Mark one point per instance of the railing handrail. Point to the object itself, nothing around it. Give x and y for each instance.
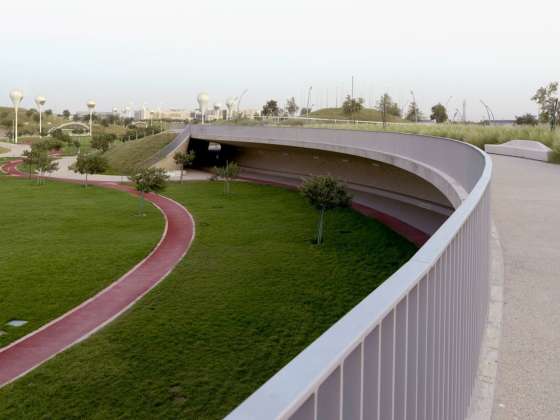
(295, 382)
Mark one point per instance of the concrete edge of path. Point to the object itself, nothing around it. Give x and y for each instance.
(482, 400)
(23, 355)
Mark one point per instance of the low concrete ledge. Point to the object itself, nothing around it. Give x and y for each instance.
(527, 149)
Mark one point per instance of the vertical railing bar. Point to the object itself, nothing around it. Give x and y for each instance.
(445, 371)
(362, 368)
(379, 371)
(456, 331)
(316, 403)
(394, 380)
(341, 392)
(406, 357)
(438, 347)
(417, 339)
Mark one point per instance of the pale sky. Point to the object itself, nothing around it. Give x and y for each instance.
(165, 52)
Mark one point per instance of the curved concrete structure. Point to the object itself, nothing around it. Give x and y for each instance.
(527, 149)
(411, 348)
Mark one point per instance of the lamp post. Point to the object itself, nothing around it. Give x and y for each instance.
(309, 97)
(241, 97)
(230, 103)
(415, 106)
(91, 107)
(16, 96)
(202, 100)
(40, 101)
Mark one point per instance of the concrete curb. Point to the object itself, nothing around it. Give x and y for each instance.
(482, 400)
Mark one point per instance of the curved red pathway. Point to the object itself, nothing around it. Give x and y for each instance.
(39, 346)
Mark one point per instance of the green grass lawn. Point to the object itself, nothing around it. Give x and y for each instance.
(250, 295)
(4, 150)
(61, 244)
(125, 158)
(365, 114)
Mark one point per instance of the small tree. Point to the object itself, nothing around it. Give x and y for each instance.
(350, 106)
(227, 172)
(66, 114)
(90, 164)
(413, 113)
(184, 160)
(439, 113)
(547, 99)
(102, 142)
(527, 119)
(147, 180)
(324, 193)
(270, 108)
(291, 106)
(30, 159)
(45, 165)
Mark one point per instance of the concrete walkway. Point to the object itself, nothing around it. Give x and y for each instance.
(65, 172)
(16, 150)
(26, 354)
(526, 209)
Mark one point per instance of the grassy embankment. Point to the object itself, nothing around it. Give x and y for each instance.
(366, 114)
(125, 158)
(62, 244)
(250, 295)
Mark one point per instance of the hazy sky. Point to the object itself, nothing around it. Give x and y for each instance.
(164, 52)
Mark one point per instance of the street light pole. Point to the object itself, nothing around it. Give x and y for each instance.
(308, 99)
(40, 101)
(91, 107)
(415, 106)
(16, 96)
(202, 100)
(241, 97)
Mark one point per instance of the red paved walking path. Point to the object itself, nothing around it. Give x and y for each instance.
(36, 348)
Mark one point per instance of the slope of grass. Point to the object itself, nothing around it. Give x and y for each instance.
(61, 244)
(250, 295)
(366, 114)
(125, 158)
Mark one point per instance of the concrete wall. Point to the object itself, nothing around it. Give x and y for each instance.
(378, 185)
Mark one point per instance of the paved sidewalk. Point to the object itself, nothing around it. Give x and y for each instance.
(23, 355)
(526, 209)
(65, 172)
(16, 150)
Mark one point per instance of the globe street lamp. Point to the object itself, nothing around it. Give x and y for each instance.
(202, 104)
(16, 96)
(40, 101)
(230, 104)
(217, 108)
(91, 107)
(415, 106)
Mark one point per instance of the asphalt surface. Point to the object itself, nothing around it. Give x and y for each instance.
(526, 210)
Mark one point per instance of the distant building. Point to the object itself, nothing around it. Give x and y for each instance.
(168, 114)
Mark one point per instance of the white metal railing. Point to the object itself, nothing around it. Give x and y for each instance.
(410, 349)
